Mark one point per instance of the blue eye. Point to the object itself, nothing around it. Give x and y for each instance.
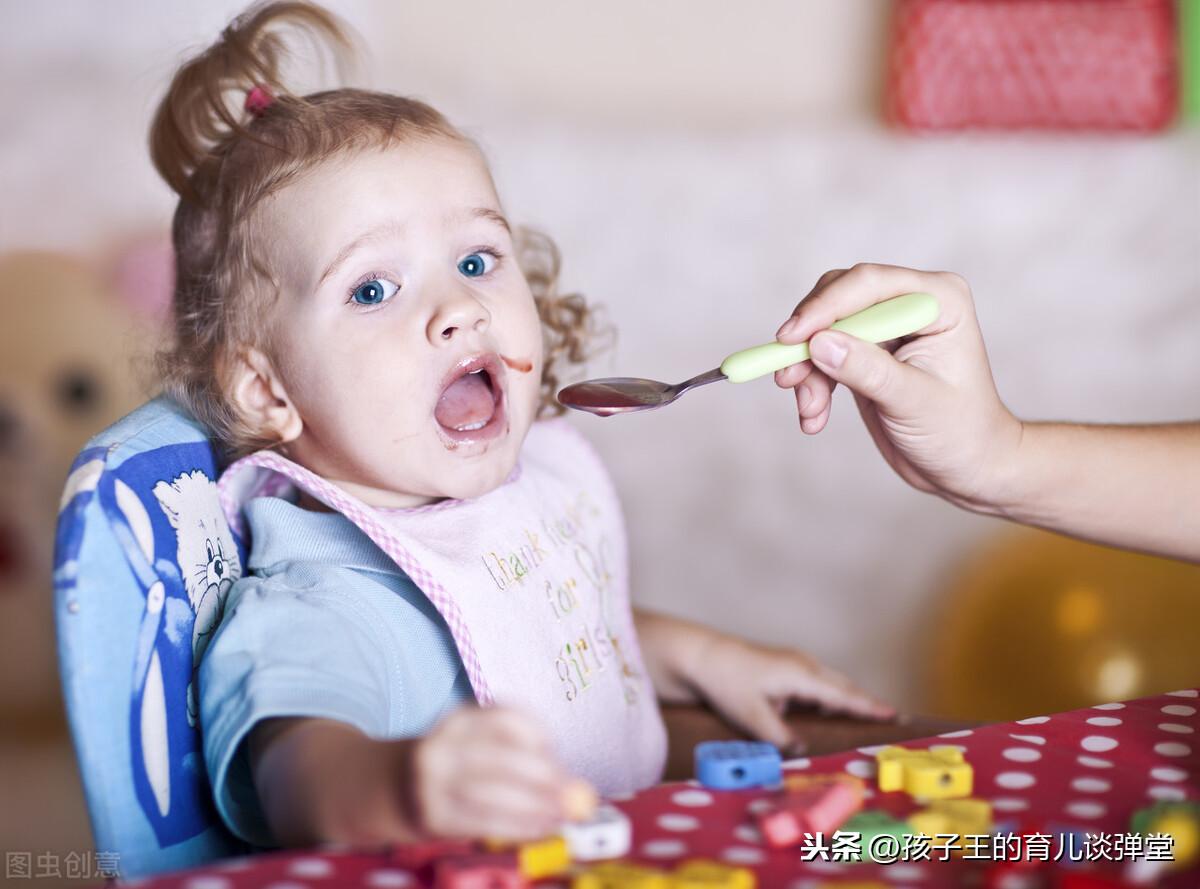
(374, 292)
(476, 264)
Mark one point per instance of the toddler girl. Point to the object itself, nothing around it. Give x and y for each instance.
(372, 344)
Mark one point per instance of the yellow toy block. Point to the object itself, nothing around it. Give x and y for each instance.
(621, 875)
(545, 858)
(962, 817)
(936, 773)
(701, 874)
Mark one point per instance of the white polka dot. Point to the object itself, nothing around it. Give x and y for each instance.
(208, 881)
(1172, 748)
(1168, 773)
(310, 868)
(1104, 720)
(1179, 710)
(1022, 754)
(1091, 785)
(758, 806)
(287, 884)
(747, 833)
(965, 733)
(1160, 791)
(1184, 693)
(806, 883)
(1009, 804)
(1033, 720)
(388, 879)
(1109, 707)
(825, 867)
(677, 822)
(664, 849)
(861, 768)
(1084, 808)
(1015, 780)
(802, 762)
(1029, 739)
(1094, 762)
(692, 798)
(905, 872)
(873, 749)
(1176, 727)
(1098, 743)
(743, 855)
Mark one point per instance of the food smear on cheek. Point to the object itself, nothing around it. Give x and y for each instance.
(518, 364)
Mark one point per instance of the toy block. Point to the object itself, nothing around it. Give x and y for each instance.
(961, 817)
(936, 773)
(871, 824)
(819, 808)
(480, 871)
(607, 834)
(1179, 819)
(580, 800)
(732, 765)
(702, 874)
(543, 858)
(621, 875)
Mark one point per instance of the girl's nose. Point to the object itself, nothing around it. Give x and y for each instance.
(458, 313)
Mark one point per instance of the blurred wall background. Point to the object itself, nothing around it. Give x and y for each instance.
(700, 165)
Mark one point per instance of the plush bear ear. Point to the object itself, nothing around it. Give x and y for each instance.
(144, 276)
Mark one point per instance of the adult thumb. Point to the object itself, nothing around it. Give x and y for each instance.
(866, 369)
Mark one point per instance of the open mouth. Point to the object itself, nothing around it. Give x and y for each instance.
(471, 404)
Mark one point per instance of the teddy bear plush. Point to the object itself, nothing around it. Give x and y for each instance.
(74, 357)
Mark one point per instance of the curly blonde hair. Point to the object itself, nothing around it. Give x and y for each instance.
(222, 160)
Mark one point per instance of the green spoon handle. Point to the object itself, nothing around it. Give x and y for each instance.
(887, 320)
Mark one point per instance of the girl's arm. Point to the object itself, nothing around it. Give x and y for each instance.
(479, 773)
(1132, 486)
(319, 780)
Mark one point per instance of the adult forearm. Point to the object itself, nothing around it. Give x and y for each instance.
(323, 781)
(1136, 487)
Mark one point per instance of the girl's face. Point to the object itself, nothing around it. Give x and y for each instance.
(405, 342)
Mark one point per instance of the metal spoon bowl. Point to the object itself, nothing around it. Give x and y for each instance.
(888, 320)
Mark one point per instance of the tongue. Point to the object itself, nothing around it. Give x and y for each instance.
(466, 402)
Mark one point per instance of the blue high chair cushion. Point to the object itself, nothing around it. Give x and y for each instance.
(143, 560)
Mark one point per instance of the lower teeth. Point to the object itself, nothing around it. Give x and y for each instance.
(472, 427)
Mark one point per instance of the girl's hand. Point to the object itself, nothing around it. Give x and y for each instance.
(489, 773)
(929, 401)
(751, 686)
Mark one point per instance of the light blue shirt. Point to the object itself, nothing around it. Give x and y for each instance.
(324, 624)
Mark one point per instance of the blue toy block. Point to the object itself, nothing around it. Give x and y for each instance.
(731, 765)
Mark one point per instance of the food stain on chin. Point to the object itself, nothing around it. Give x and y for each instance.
(517, 364)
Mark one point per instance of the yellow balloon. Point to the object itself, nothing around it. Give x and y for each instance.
(1037, 623)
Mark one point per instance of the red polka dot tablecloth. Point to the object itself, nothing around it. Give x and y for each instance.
(1085, 771)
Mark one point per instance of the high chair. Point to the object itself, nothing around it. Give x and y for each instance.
(142, 547)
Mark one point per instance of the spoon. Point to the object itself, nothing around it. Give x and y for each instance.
(883, 321)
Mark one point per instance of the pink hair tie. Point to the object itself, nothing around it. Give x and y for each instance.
(258, 100)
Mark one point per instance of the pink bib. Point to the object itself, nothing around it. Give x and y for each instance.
(532, 579)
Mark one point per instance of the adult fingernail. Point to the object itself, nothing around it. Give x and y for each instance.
(827, 350)
(804, 398)
(787, 327)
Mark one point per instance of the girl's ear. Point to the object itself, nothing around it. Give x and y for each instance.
(260, 397)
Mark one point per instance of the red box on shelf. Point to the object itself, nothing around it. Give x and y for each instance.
(1041, 64)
